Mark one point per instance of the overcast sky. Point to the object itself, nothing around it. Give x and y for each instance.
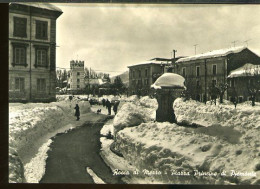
(111, 37)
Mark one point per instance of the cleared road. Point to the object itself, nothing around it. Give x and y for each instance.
(72, 152)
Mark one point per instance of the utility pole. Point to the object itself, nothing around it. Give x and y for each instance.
(234, 42)
(195, 47)
(174, 52)
(173, 61)
(246, 41)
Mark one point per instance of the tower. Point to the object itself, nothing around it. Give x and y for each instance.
(77, 75)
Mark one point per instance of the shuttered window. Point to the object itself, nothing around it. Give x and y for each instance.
(20, 27)
(41, 29)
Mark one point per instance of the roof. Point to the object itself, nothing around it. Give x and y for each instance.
(213, 54)
(47, 6)
(150, 62)
(245, 71)
(95, 81)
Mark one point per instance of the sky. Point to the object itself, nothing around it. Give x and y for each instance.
(111, 37)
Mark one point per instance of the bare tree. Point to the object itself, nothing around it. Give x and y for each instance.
(222, 89)
(253, 86)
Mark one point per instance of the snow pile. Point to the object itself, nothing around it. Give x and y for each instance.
(146, 101)
(183, 155)
(106, 129)
(171, 80)
(171, 149)
(224, 114)
(29, 124)
(33, 170)
(130, 115)
(95, 178)
(133, 98)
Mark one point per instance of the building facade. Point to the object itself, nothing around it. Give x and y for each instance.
(244, 83)
(144, 74)
(32, 51)
(77, 75)
(204, 71)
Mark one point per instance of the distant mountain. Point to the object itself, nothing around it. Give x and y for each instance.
(124, 77)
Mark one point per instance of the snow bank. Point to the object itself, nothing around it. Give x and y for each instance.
(146, 101)
(29, 124)
(130, 115)
(229, 144)
(171, 149)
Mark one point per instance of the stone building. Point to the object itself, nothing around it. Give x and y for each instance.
(77, 74)
(32, 51)
(144, 74)
(244, 83)
(204, 71)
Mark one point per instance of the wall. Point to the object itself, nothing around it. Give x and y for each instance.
(30, 72)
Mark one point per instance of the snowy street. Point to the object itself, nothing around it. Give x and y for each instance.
(71, 153)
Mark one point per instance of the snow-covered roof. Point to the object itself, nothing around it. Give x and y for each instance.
(96, 82)
(213, 54)
(47, 6)
(169, 80)
(246, 70)
(150, 62)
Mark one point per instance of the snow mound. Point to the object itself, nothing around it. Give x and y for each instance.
(132, 115)
(146, 101)
(28, 125)
(169, 80)
(133, 98)
(228, 142)
(170, 148)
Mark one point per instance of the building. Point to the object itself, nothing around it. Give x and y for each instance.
(77, 75)
(32, 51)
(144, 74)
(204, 71)
(244, 83)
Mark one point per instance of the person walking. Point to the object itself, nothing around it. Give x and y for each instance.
(77, 113)
(115, 107)
(103, 102)
(108, 105)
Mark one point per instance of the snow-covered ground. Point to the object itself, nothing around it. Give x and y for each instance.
(31, 126)
(225, 151)
(156, 152)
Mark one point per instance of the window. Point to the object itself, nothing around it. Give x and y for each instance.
(78, 80)
(232, 83)
(41, 85)
(197, 71)
(214, 82)
(41, 56)
(146, 81)
(19, 54)
(184, 72)
(20, 27)
(198, 83)
(78, 73)
(19, 84)
(214, 69)
(146, 72)
(78, 86)
(41, 29)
